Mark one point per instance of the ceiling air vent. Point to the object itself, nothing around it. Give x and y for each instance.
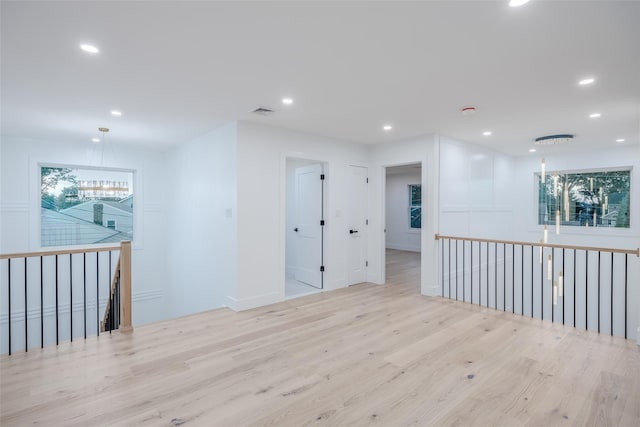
(263, 111)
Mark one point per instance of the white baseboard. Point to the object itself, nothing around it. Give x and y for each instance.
(253, 302)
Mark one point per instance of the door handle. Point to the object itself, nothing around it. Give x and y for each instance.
(353, 231)
(295, 229)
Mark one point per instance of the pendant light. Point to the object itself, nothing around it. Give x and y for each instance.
(560, 284)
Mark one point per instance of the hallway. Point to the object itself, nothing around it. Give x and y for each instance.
(403, 268)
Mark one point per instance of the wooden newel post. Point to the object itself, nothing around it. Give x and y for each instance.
(125, 283)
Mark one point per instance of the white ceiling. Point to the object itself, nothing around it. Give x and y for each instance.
(179, 69)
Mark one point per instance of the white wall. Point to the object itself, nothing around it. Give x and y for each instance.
(423, 149)
(476, 191)
(465, 190)
(202, 222)
(262, 154)
(399, 235)
(20, 211)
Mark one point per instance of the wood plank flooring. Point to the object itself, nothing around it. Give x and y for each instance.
(365, 355)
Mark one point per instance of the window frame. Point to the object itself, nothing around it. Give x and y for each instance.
(411, 206)
(581, 229)
(135, 237)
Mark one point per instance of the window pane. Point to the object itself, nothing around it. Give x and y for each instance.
(415, 217)
(415, 206)
(416, 195)
(85, 206)
(598, 199)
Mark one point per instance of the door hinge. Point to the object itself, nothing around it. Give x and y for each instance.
(322, 176)
(366, 221)
(322, 222)
(367, 180)
(366, 263)
(322, 268)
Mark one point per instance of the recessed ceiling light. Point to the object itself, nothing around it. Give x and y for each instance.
(516, 3)
(595, 115)
(387, 127)
(287, 101)
(116, 113)
(89, 48)
(486, 133)
(95, 139)
(586, 81)
(620, 140)
(532, 150)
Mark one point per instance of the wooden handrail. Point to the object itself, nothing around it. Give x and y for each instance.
(125, 285)
(59, 252)
(635, 252)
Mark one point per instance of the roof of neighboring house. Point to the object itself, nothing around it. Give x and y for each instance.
(60, 229)
(84, 206)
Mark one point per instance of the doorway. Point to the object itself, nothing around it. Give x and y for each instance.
(304, 241)
(403, 224)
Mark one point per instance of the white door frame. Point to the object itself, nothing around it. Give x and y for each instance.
(383, 186)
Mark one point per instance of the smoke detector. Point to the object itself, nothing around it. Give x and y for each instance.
(468, 111)
(554, 139)
(263, 111)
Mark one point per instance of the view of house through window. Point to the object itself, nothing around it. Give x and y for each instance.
(415, 206)
(85, 206)
(587, 199)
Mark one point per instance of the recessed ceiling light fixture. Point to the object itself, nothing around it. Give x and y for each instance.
(554, 139)
(588, 81)
(620, 140)
(95, 139)
(116, 113)
(595, 115)
(89, 48)
(387, 127)
(487, 133)
(532, 150)
(287, 101)
(516, 3)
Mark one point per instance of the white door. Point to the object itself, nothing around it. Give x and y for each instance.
(356, 223)
(308, 193)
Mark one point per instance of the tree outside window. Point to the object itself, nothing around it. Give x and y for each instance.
(587, 199)
(83, 206)
(415, 206)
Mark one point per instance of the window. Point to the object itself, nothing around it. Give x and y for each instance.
(83, 206)
(587, 199)
(415, 206)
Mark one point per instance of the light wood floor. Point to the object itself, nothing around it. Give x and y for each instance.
(366, 355)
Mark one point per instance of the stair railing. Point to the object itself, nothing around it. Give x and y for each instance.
(582, 286)
(54, 296)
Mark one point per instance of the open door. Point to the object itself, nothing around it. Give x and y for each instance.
(308, 229)
(357, 223)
